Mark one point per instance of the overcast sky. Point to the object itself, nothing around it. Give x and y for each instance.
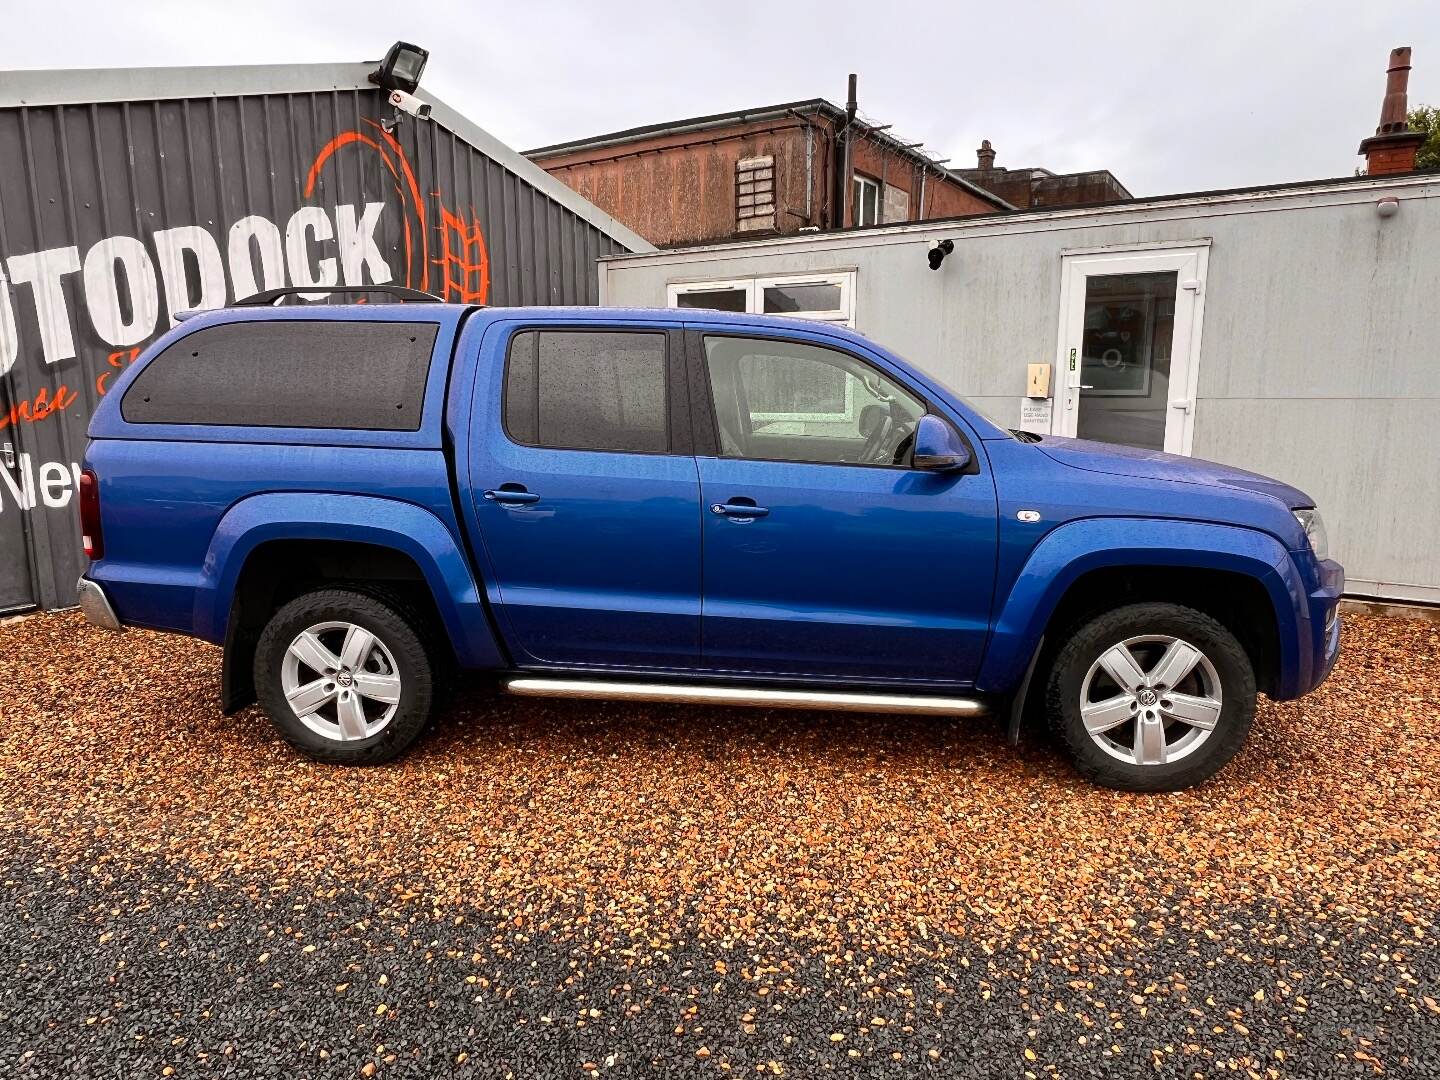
(1169, 97)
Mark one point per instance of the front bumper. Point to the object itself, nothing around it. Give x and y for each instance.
(95, 605)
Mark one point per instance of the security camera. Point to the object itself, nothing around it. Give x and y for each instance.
(938, 250)
(409, 103)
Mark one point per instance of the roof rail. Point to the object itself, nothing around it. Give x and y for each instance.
(270, 296)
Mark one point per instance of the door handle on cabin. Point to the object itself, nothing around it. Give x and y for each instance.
(508, 497)
(740, 512)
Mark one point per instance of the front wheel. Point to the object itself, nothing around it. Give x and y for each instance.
(1151, 697)
(344, 677)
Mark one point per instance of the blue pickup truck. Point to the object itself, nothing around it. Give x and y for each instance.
(357, 502)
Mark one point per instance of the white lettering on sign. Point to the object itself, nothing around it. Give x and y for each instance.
(22, 493)
(58, 481)
(102, 290)
(55, 484)
(42, 271)
(358, 248)
(171, 246)
(9, 337)
(255, 233)
(306, 222)
(186, 264)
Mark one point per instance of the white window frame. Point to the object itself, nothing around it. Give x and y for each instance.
(861, 183)
(754, 290)
(844, 314)
(674, 291)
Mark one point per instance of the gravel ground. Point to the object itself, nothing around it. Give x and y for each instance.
(573, 889)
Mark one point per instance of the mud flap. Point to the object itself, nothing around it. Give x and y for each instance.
(1017, 703)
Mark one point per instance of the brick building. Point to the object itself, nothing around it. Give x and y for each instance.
(1035, 187)
(761, 172)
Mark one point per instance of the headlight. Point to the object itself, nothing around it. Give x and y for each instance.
(1314, 527)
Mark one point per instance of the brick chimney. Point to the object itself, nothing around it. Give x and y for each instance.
(986, 155)
(1393, 147)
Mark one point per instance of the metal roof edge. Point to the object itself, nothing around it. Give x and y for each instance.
(84, 86)
(533, 174)
(1220, 197)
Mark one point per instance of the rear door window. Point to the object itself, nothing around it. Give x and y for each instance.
(290, 373)
(588, 390)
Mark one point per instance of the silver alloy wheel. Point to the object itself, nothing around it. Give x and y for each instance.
(341, 681)
(1151, 700)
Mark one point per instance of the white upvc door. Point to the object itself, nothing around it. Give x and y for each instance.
(1127, 362)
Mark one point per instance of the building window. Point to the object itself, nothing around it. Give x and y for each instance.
(713, 295)
(866, 195)
(827, 297)
(755, 194)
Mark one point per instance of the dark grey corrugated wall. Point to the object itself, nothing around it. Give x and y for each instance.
(112, 213)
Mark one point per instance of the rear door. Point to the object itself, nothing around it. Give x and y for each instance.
(853, 565)
(586, 494)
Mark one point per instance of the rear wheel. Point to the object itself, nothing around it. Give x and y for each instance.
(344, 677)
(1151, 697)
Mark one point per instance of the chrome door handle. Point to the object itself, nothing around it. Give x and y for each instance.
(739, 511)
(511, 498)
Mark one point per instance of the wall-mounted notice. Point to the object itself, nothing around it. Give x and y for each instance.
(1035, 414)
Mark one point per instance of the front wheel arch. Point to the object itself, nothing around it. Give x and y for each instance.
(1237, 601)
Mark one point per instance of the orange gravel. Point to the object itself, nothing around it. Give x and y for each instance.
(838, 832)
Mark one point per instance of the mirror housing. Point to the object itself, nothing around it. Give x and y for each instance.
(938, 448)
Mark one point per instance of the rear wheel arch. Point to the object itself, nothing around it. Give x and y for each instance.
(275, 572)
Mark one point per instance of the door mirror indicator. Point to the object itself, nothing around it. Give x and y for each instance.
(938, 448)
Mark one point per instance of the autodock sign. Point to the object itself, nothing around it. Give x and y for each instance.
(117, 215)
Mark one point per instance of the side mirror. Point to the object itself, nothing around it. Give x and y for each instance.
(937, 446)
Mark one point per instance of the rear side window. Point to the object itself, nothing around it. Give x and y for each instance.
(365, 376)
(587, 390)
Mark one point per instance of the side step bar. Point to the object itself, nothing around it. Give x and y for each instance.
(695, 694)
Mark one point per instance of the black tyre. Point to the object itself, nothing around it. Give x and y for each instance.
(1151, 697)
(344, 677)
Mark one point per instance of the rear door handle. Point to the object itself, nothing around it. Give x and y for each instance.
(511, 498)
(739, 511)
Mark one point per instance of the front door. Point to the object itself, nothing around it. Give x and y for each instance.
(1129, 345)
(825, 553)
(586, 497)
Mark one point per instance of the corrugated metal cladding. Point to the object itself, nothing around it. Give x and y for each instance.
(115, 214)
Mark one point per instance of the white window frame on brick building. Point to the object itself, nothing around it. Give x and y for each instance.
(865, 188)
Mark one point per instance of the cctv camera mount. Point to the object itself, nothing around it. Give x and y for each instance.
(405, 103)
(938, 250)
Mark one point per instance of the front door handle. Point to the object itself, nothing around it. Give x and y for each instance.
(739, 511)
(508, 497)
